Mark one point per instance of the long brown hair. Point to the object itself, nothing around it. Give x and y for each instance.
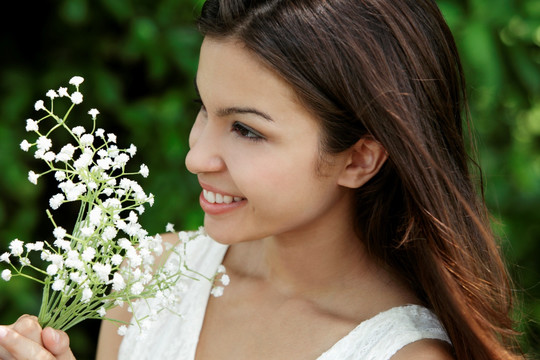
(390, 69)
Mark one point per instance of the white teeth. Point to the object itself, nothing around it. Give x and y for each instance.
(217, 198)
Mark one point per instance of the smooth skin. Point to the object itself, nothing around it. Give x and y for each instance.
(299, 273)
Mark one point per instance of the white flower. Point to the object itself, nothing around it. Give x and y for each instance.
(111, 138)
(39, 153)
(52, 269)
(217, 291)
(87, 140)
(169, 227)
(58, 285)
(102, 271)
(124, 243)
(76, 98)
(49, 156)
(25, 145)
(62, 244)
(116, 259)
(144, 170)
(100, 133)
(24, 261)
(221, 269)
(134, 258)
(112, 203)
(62, 91)
(87, 231)
(60, 175)
(33, 177)
(66, 153)
(93, 113)
(56, 259)
(44, 143)
(122, 330)
(132, 150)
(56, 201)
(95, 216)
(88, 254)
(105, 164)
(84, 160)
(76, 277)
(86, 295)
(109, 233)
(39, 105)
(78, 130)
(5, 257)
(73, 260)
(76, 80)
(31, 125)
(101, 312)
(6, 275)
(16, 247)
(225, 279)
(137, 288)
(118, 283)
(51, 94)
(59, 232)
(72, 191)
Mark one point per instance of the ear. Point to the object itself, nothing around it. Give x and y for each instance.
(364, 159)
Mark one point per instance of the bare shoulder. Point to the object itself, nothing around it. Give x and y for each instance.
(109, 341)
(425, 350)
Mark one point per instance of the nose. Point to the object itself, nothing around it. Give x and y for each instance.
(204, 153)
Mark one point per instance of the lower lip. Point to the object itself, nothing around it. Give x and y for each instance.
(218, 209)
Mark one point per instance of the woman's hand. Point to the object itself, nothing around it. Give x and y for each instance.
(26, 340)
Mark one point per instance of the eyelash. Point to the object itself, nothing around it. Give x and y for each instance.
(240, 129)
(246, 132)
(199, 102)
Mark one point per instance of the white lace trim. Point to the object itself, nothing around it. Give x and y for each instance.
(380, 337)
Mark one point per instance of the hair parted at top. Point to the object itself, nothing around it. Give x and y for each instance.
(390, 69)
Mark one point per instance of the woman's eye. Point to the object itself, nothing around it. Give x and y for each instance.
(246, 132)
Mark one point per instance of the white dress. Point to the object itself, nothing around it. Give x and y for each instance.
(172, 337)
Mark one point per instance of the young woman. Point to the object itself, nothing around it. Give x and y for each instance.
(337, 189)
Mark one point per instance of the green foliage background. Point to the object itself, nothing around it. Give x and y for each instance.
(139, 58)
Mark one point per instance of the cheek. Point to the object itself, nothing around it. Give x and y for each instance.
(276, 179)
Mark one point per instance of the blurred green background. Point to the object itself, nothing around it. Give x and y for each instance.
(139, 58)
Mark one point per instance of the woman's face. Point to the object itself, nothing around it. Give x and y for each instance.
(255, 151)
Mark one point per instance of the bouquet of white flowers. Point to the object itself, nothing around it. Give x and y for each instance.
(108, 258)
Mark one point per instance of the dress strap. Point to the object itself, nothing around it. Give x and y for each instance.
(380, 337)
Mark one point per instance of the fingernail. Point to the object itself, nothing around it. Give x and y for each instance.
(3, 332)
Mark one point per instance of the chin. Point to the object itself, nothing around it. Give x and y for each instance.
(226, 236)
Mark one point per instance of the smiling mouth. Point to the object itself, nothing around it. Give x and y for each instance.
(217, 198)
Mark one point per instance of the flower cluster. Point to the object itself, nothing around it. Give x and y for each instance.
(108, 258)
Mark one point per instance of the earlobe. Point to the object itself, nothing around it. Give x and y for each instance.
(364, 160)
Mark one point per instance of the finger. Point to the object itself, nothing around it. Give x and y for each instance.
(4, 354)
(57, 342)
(28, 326)
(21, 347)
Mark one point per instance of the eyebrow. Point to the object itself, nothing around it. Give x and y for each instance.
(236, 109)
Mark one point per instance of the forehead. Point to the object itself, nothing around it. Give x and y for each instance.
(228, 71)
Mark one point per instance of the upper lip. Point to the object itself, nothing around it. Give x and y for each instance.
(216, 190)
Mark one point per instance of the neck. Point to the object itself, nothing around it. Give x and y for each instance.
(319, 262)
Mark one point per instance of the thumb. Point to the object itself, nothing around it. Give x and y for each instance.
(57, 343)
